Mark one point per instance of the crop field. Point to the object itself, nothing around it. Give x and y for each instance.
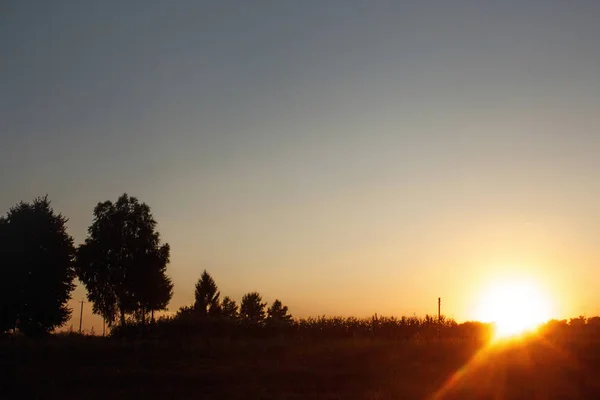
(71, 367)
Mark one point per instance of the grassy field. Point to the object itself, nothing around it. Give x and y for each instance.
(98, 368)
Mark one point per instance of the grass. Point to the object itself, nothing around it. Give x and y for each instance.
(99, 368)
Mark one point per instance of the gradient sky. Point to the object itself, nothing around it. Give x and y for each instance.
(347, 157)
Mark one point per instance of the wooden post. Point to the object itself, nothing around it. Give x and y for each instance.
(81, 317)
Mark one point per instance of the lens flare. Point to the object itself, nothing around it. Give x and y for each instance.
(514, 307)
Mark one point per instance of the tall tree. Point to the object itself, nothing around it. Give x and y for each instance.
(207, 294)
(36, 268)
(123, 263)
(252, 308)
(229, 308)
(278, 313)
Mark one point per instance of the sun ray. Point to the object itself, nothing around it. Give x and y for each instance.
(462, 374)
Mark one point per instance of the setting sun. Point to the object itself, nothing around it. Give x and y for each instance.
(515, 307)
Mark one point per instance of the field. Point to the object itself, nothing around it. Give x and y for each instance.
(98, 368)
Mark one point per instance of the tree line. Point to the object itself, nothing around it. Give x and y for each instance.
(207, 303)
(122, 265)
(209, 317)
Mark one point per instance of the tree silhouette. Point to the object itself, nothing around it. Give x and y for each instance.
(158, 298)
(229, 308)
(252, 309)
(37, 272)
(278, 313)
(122, 262)
(207, 296)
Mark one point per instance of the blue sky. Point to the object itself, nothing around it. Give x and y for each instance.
(347, 157)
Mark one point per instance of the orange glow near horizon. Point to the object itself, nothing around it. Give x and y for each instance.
(515, 307)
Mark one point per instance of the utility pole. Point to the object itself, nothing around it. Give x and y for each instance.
(439, 308)
(81, 317)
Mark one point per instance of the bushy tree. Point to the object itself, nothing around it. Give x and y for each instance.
(579, 321)
(36, 268)
(229, 308)
(123, 263)
(252, 308)
(206, 296)
(184, 312)
(278, 313)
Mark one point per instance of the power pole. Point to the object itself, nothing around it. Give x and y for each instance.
(81, 317)
(439, 308)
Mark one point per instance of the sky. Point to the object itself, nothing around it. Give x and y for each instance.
(346, 157)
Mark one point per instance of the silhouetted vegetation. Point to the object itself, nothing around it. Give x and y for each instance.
(545, 366)
(122, 263)
(253, 319)
(277, 314)
(206, 296)
(123, 267)
(229, 308)
(215, 348)
(36, 275)
(252, 309)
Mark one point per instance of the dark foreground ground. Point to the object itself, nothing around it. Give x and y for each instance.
(96, 368)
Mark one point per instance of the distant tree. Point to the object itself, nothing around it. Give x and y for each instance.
(229, 308)
(36, 268)
(593, 321)
(555, 327)
(206, 296)
(185, 312)
(252, 309)
(577, 322)
(122, 262)
(278, 313)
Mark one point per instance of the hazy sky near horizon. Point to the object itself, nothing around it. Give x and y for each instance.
(347, 157)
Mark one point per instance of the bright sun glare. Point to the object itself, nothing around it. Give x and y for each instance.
(515, 307)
